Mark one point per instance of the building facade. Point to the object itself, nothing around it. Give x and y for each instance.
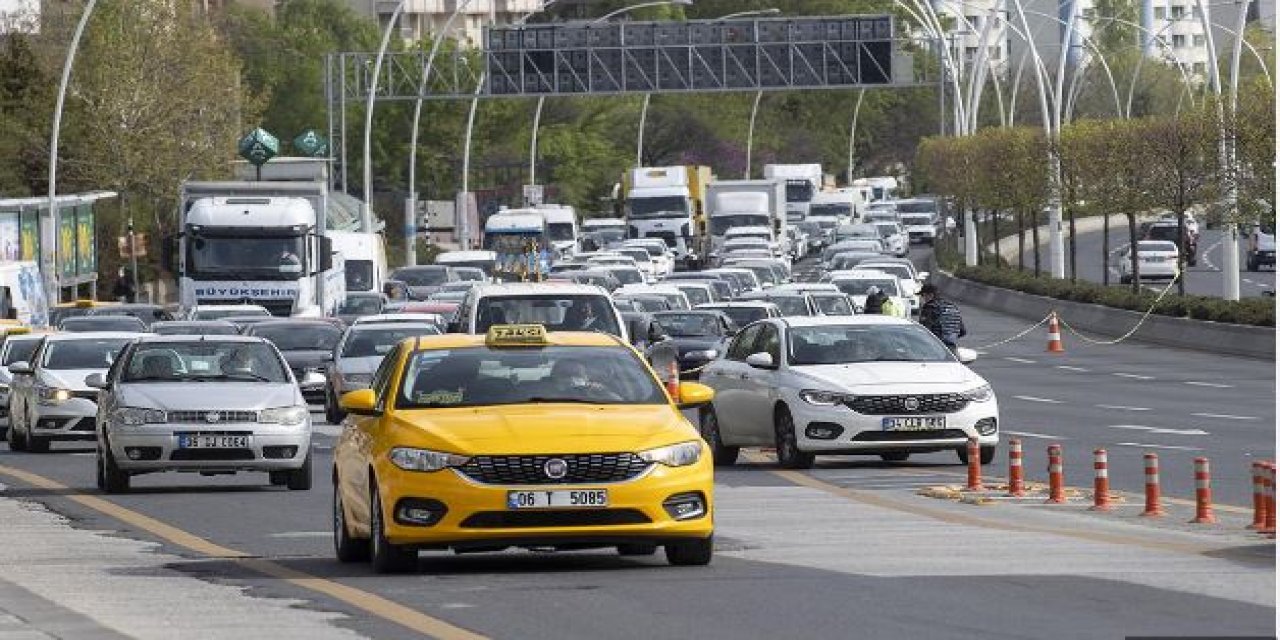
(425, 17)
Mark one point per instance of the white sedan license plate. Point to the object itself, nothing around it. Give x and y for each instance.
(579, 498)
(202, 441)
(928, 423)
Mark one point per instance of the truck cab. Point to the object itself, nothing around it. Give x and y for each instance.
(521, 244)
(667, 203)
(562, 227)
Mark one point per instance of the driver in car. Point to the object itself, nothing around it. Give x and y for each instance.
(571, 379)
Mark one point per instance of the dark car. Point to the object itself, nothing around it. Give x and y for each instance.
(424, 280)
(643, 329)
(80, 324)
(195, 328)
(694, 338)
(307, 345)
(361, 303)
(147, 313)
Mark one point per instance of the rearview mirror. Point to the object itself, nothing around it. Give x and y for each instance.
(966, 355)
(20, 368)
(694, 395)
(361, 402)
(95, 381)
(761, 360)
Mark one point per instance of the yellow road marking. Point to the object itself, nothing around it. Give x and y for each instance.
(379, 606)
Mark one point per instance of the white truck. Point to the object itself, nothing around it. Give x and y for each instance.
(831, 209)
(746, 203)
(668, 203)
(802, 181)
(883, 188)
(521, 244)
(562, 227)
(364, 258)
(268, 250)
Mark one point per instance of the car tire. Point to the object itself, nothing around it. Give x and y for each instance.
(387, 557)
(346, 547)
(637, 549)
(986, 454)
(784, 432)
(300, 478)
(113, 478)
(278, 478)
(721, 455)
(36, 444)
(332, 414)
(690, 553)
(895, 456)
(1250, 263)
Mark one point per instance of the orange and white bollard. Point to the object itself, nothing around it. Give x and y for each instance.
(1269, 486)
(974, 454)
(1151, 468)
(1015, 469)
(673, 381)
(1259, 470)
(1204, 494)
(1101, 482)
(1057, 490)
(1055, 335)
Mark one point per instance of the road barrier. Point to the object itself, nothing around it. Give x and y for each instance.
(1269, 487)
(1016, 488)
(1101, 482)
(673, 381)
(1057, 484)
(1204, 494)
(1151, 469)
(1259, 472)
(1055, 334)
(974, 455)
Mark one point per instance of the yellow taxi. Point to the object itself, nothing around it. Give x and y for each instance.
(520, 438)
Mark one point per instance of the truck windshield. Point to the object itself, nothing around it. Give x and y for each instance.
(722, 224)
(246, 257)
(359, 275)
(659, 207)
(799, 191)
(832, 209)
(917, 207)
(560, 231)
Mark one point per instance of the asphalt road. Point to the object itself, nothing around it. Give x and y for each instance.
(1204, 279)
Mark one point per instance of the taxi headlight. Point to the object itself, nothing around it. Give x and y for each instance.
(980, 394)
(52, 395)
(411, 459)
(136, 416)
(284, 416)
(823, 398)
(676, 455)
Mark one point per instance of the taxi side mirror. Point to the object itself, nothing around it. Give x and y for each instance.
(362, 402)
(694, 395)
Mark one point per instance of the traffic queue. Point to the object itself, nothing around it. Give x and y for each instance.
(583, 409)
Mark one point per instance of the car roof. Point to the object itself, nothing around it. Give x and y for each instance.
(362, 326)
(862, 274)
(836, 321)
(192, 323)
(150, 339)
(391, 318)
(424, 267)
(554, 338)
(277, 322)
(537, 289)
(95, 335)
(736, 304)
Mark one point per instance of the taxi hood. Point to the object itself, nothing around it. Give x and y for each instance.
(542, 428)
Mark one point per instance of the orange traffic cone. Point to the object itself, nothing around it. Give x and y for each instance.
(673, 382)
(1055, 335)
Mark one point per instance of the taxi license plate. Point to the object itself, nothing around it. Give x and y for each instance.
(202, 441)
(580, 498)
(929, 423)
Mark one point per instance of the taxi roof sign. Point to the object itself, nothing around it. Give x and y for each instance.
(513, 335)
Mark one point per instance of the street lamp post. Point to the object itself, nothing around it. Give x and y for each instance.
(755, 103)
(368, 108)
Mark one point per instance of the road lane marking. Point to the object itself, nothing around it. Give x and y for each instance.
(1035, 399)
(1120, 407)
(1027, 434)
(1224, 416)
(1019, 360)
(1157, 446)
(1133, 376)
(379, 606)
(1215, 385)
(1067, 367)
(1160, 430)
(301, 534)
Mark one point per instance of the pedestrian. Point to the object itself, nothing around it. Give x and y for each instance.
(875, 302)
(123, 290)
(941, 316)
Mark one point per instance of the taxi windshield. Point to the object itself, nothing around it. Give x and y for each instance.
(849, 344)
(556, 313)
(204, 360)
(483, 376)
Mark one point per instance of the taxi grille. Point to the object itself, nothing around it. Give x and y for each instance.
(554, 518)
(897, 405)
(223, 416)
(582, 468)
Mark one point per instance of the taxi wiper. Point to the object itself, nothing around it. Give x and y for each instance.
(565, 400)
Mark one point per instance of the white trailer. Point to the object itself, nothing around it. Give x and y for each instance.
(802, 181)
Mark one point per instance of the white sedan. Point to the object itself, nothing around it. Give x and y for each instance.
(1156, 259)
(846, 385)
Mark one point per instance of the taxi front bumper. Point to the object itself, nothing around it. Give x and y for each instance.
(476, 516)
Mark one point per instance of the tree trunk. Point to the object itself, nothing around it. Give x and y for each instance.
(1182, 235)
(1035, 241)
(995, 231)
(1134, 286)
(1106, 249)
(1022, 241)
(1071, 228)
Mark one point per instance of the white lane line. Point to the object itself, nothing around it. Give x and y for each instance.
(1225, 416)
(1020, 360)
(1137, 427)
(1133, 376)
(1027, 434)
(1157, 446)
(1067, 367)
(1214, 385)
(1159, 430)
(1035, 399)
(301, 534)
(1120, 407)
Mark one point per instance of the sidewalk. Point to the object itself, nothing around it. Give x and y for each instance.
(58, 581)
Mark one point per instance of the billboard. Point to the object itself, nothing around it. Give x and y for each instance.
(10, 236)
(86, 241)
(67, 244)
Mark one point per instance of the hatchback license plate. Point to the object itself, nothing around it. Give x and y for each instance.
(201, 441)
(914, 423)
(580, 498)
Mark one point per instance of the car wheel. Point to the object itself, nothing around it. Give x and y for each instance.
(300, 478)
(895, 456)
(639, 549)
(789, 454)
(1250, 264)
(114, 480)
(985, 456)
(721, 455)
(345, 547)
(278, 478)
(690, 553)
(387, 557)
(332, 414)
(36, 444)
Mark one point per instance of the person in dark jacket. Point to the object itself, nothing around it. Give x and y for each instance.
(874, 304)
(941, 316)
(123, 291)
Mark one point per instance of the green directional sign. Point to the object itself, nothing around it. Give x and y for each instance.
(311, 144)
(258, 147)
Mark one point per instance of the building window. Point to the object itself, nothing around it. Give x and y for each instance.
(994, 52)
(1197, 41)
(1159, 13)
(970, 53)
(971, 22)
(1179, 41)
(1177, 12)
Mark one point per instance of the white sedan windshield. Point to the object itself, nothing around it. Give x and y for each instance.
(864, 343)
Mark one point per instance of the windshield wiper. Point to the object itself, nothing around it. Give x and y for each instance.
(564, 400)
(243, 375)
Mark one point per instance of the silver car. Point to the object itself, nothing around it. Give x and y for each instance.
(358, 354)
(210, 404)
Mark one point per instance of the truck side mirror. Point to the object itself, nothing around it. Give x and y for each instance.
(325, 258)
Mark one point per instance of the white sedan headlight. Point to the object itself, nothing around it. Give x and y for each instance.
(136, 416)
(676, 455)
(411, 459)
(980, 394)
(823, 398)
(52, 395)
(284, 416)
